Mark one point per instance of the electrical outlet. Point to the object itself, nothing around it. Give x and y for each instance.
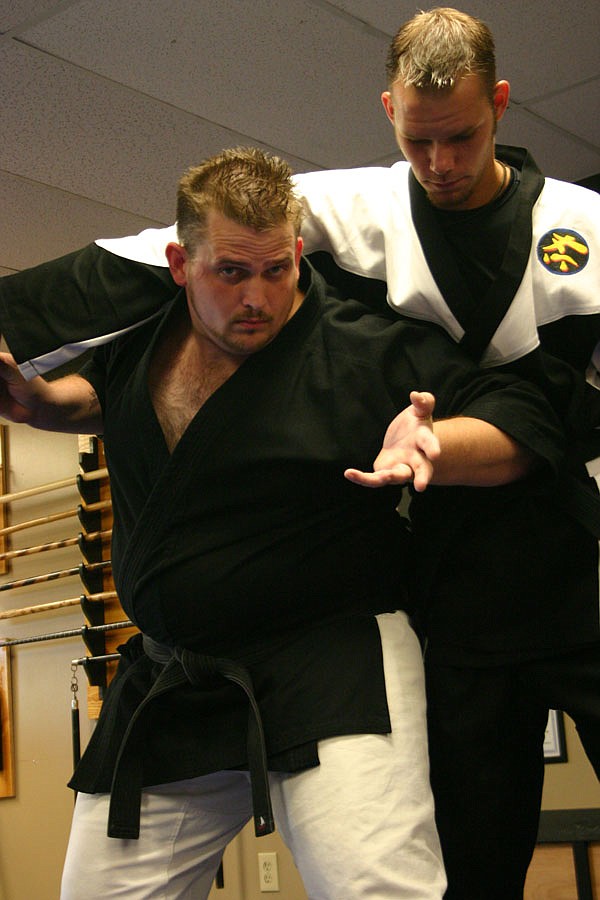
(268, 872)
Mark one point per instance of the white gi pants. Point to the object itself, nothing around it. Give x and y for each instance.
(360, 825)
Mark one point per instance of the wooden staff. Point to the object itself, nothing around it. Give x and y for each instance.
(94, 475)
(56, 604)
(55, 517)
(55, 545)
(50, 576)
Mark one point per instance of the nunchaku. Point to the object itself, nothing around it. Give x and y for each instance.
(85, 632)
(85, 661)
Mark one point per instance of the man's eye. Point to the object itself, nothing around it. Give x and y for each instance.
(279, 269)
(230, 272)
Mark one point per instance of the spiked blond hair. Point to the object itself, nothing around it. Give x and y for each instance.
(436, 47)
(248, 186)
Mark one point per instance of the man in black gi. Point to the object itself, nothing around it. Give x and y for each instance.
(269, 590)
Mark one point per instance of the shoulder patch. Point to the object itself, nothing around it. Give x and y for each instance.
(563, 251)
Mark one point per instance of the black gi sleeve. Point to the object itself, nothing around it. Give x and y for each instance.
(512, 404)
(85, 295)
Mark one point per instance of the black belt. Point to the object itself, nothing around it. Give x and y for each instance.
(183, 667)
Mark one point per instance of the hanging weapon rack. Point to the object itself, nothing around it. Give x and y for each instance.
(105, 625)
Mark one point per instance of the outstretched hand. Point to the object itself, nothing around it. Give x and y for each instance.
(409, 448)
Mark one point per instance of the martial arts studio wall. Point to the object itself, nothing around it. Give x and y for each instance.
(34, 824)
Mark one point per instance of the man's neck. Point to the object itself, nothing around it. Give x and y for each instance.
(185, 371)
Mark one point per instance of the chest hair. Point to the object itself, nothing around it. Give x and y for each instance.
(182, 378)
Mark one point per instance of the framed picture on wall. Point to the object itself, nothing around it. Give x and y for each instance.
(555, 748)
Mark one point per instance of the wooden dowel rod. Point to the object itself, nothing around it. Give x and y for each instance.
(94, 475)
(52, 576)
(43, 520)
(54, 545)
(56, 604)
(55, 517)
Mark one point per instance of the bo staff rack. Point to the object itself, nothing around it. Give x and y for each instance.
(106, 626)
(95, 515)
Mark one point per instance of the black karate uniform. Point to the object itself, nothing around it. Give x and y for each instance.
(247, 543)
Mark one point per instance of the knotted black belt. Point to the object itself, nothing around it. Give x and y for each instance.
(183, 667)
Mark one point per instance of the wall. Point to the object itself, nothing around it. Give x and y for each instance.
(34, 825)
(571, 785)
(241, 869)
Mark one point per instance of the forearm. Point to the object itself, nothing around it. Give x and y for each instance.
(457, 451)
(69, 405)
(475, 453)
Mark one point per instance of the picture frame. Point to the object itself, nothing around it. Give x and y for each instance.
(555, 747)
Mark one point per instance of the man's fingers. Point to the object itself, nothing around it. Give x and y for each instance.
(401, 474)
(428, 443)
(423, 402)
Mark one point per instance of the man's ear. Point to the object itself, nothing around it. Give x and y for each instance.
(501, 96)
(388, 105)
(177, 258)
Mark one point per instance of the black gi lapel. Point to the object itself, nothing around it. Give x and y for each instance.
(205, 436)
(479, 317)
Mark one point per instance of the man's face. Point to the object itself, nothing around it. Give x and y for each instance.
(447, 136)
(241, 284)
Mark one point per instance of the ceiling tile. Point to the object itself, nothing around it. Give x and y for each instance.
(558, 154)
(45, 223)
(576, 109)
(293, 75)
(81, 133)
(17, 12)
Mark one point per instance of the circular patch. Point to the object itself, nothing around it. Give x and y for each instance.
(563, 251)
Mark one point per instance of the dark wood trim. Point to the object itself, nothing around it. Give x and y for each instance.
(580, 828)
